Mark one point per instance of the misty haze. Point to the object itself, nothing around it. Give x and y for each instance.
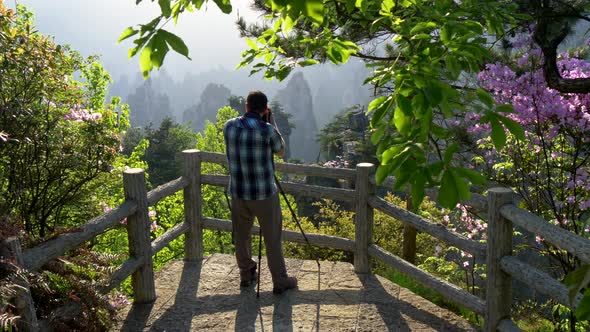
(191, 92)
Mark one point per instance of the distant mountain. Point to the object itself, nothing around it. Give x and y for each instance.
(214, 97)
(148, 106)
(335, 88)
(296, 100)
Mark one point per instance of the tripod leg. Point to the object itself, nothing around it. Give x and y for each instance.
(259, 259)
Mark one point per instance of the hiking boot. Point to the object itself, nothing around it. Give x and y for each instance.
(288, 283)
(248, 278)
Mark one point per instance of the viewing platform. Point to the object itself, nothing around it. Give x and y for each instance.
(206, 296)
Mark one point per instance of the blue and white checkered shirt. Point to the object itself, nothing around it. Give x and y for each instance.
(249, 145)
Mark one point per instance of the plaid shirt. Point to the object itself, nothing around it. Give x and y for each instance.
(249, 145)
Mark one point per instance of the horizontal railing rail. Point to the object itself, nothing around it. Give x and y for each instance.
(436, 230)
(41, 254)
(539, 280)
(559, 237)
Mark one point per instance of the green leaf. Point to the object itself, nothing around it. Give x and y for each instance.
(283, 72)
(419, 105)
(402, 117)
(314, 9)
(224, 5)
(433, 170)
(377, 135)
(176, 43)
(388, 154)
(445, 33)
(287, 24)
(576, 281)
(404, 173)
(197, 3)
(514, 127)
(127, 33)
(334, 53)
(426, 124)
(417, 190)
(307, 62)
(165, 7)
(453, 66)
(376, 103)
(505, 108)
(462, 186)
(159, 50)
(498, 134)
(433, 93)
(471, 175)
(440, 132)
(485, 97)
(383, 107)
(145, 60)
(386, 7)
(450, 152)
(382, 173)
(447, 194)
(132, 51)
(252, 44)
(583, 310)
(422, 26)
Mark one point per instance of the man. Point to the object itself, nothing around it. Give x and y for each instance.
(250, 141)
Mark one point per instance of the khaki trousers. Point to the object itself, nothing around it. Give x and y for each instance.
(268, 213)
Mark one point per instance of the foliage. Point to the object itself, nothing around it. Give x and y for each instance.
(333, 220)
(58, 137)
(547, 163)
(349, 126)
(214, 198)
(163, 153)
(432, 47)
(66, 293)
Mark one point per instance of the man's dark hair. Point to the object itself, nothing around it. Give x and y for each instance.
(257, 101)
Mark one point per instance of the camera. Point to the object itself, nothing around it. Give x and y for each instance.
(267, 116)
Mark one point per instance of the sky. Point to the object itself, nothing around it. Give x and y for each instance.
(93, 27)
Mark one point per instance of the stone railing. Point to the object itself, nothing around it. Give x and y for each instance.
(501, 211)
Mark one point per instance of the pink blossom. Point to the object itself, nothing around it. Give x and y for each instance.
(118, 300)
(105, 207)
(154, 226)
(585, 204)
(82, 115)
(437, 251)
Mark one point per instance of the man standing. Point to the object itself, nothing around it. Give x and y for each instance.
(250, 142)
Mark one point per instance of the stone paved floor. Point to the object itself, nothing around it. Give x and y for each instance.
(206, 296)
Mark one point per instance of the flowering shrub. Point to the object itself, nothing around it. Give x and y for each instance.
(549, 168)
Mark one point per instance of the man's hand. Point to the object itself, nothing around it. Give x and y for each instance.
(267, 116)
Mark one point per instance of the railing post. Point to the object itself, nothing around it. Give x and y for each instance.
(498, 288)
(363, 222)
(138, 233)
(10, 251)
(410, 233)
(193, 203)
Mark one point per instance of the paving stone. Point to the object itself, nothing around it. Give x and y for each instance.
(206, 296)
